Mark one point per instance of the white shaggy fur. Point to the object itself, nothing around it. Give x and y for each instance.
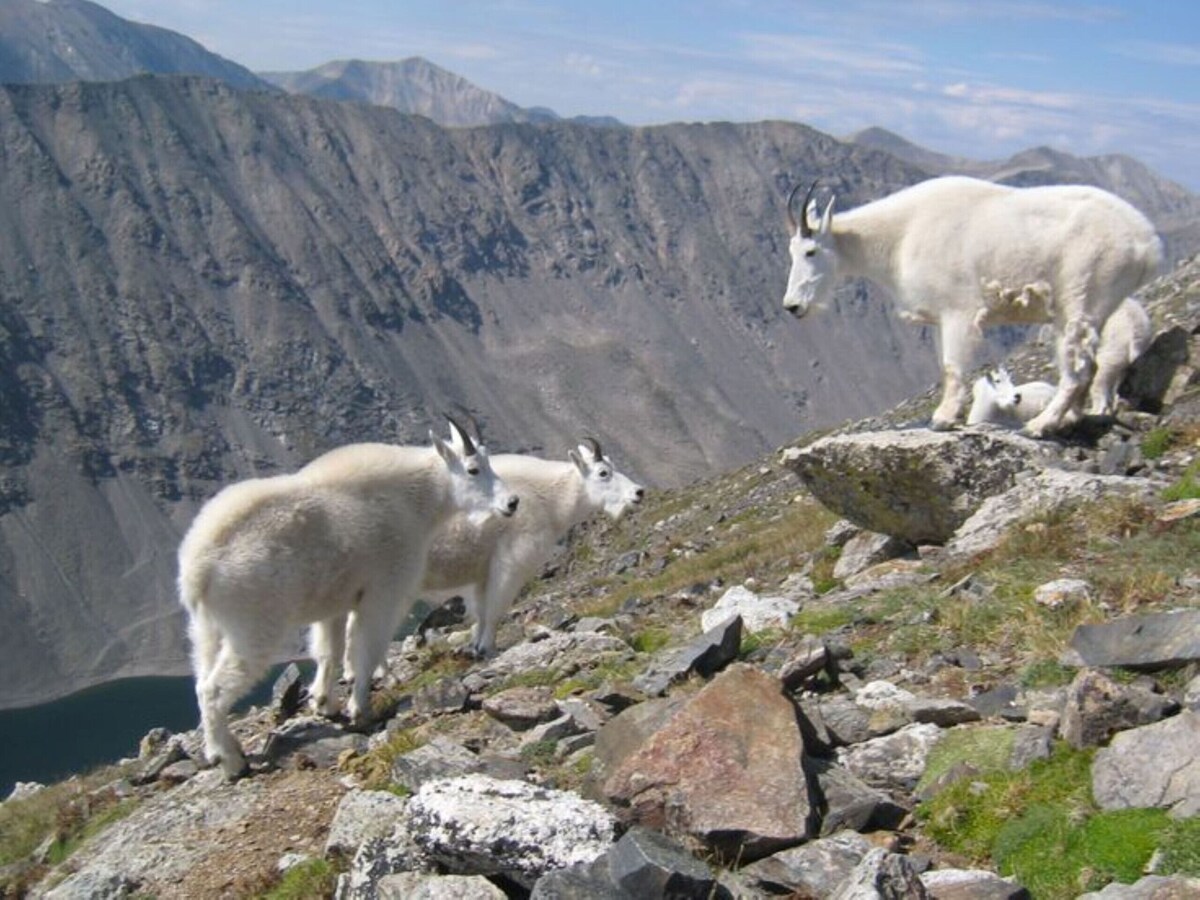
(1125, 337)
(348, 531)
(488, 564)
(962, 254)
(997, 400)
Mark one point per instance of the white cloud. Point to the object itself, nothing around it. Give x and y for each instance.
(1158, 52)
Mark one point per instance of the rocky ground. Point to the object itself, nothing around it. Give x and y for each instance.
(971, 668)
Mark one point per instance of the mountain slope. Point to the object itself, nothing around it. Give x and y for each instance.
(414, 85)
(69, 40)
(201, 284)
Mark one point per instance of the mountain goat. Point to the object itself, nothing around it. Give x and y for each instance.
(1125, 337)
(349, 531)
(997, 400)
(488, 564)
(963, 254)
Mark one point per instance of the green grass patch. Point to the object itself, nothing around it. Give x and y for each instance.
(1187, 487)
(821, 620)
(1042, 826)
(650, 640)
(314, 878)
(1157, 442)
(1044, 673)
(987, 749)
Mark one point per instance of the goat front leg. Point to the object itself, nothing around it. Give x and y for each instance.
(1076, 367)
(326, 643)
(959, 336)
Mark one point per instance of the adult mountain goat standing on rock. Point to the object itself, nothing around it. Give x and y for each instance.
(963, 254)
(488, 563)
(349, 531)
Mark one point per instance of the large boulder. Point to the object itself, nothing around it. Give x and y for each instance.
(1154, 766)
(917, 485)
(725, 773)
(477, 825)
(1158, 640)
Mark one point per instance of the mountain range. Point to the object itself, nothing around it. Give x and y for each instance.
(201, 283)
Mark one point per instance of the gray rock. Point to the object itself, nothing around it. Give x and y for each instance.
(813, 869)
(440, 758)
(521, 708)
(970, 884)
(1097, 707)
(1030, 742)
(94, 884)
(287, 693)
(1159, 640)
(648, 864)
(1191, 694)
(1048, 490)
(558, 729)
(376, 859)
(446, 695)
(1151, 887)
(894, 762)
(23, 789)
(360, 816)
(882, 876)
(943, 712)
(1148, 380)
(418, 886)
(628, 731)
(705, 656)
(810, 659)
(844, 720)
(585, 881)
(866, 549)
(847, 802)
(917, 485)
(559, 651)
(1154, 766)
(318, 739)
(476, 825)
(758, 611)
(1062, 593)
(1000, 702)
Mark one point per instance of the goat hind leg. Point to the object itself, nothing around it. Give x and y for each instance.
(231, 676)
(1077, 367)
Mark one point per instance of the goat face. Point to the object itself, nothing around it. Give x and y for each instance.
(605, 487)
(477, 490)
(814, 258)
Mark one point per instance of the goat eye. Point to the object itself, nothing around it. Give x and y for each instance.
(604, 473)
(810, 252)
(472, 470)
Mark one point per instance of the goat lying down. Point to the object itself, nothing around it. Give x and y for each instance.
(350, 530)
(996, 400)
(488, 563)
(963, 254)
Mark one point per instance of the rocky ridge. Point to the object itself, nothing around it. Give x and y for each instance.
(739, 692)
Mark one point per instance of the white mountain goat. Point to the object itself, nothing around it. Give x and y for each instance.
(1124, 338)
(997, 400)
(349, 531)
(963, 254)
(487, 564)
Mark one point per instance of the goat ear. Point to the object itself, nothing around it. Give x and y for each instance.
(445, 451)
(577, 458)
(827, 219)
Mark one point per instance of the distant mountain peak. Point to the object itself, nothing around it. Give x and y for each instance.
(417, 86)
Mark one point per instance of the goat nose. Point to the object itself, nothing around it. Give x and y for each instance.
(512, 505)
(639, 493)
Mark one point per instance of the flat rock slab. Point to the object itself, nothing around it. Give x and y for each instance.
(917, 485)
(1160, 640)
(725, 773)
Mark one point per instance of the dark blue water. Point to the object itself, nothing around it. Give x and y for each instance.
(99, 725)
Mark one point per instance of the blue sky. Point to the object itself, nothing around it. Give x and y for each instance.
(977, 78)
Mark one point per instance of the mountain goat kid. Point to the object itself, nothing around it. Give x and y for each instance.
(488, 564)
(349, 531)
(997, 400)
(962, 254)
(1125, 337)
